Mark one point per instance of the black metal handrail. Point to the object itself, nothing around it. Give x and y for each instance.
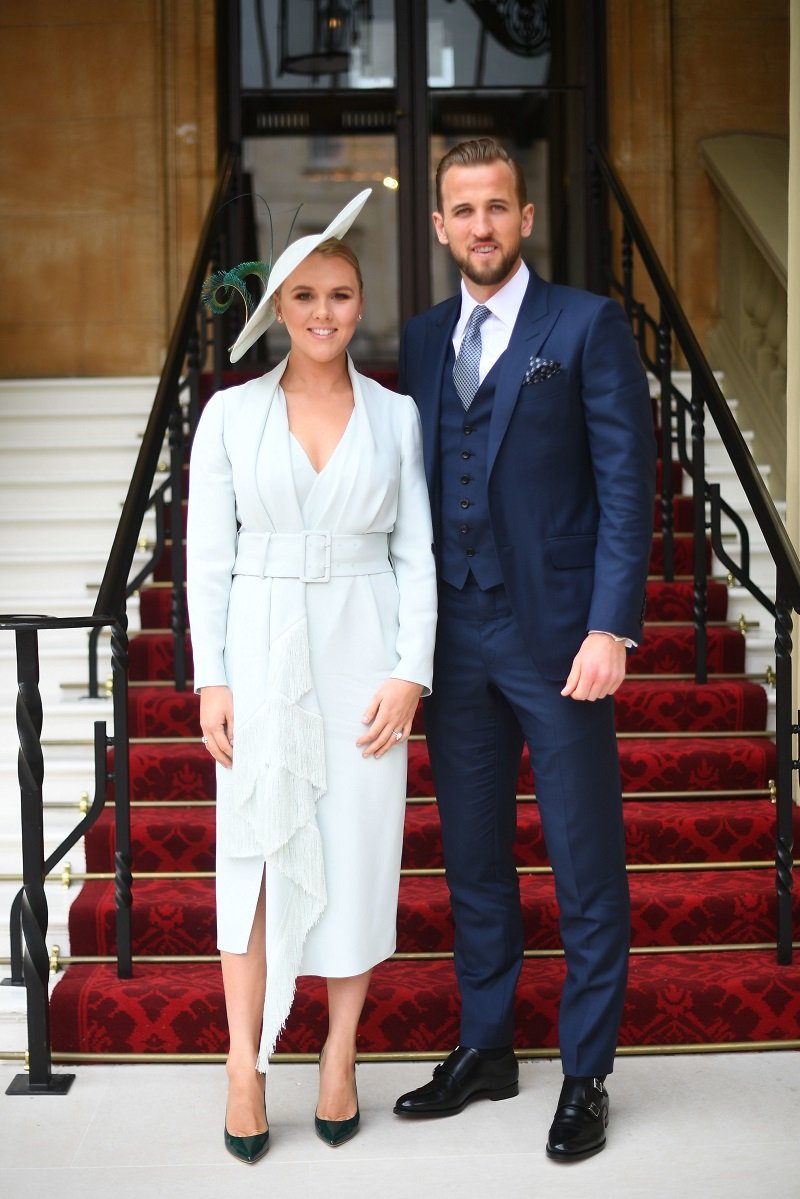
(672, 327)
(30, 966)
(111, 595)
(169, 416)
(783, 552)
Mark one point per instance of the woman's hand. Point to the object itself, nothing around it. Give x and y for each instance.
(389, 716)
(216, 721)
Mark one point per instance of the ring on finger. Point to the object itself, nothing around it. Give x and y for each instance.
(398, 734)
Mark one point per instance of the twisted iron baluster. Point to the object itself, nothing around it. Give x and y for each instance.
(699, 603)
(664, 361)
(784, 843)
(123, 876)
(627, 271)
(36, 962)
(16, 978)
(178, 614)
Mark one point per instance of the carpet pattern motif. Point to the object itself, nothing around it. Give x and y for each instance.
(700, 833)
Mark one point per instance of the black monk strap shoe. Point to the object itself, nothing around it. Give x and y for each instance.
(466, 1074)
(579, 1125)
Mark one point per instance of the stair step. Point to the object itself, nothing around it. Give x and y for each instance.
(674, 1000)
(80, 531)
(40, 491)
(176, 916)
(642, 705)
(658, 832)
(117, 456)
(84, 396)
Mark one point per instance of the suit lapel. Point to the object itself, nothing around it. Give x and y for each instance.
(535, 320)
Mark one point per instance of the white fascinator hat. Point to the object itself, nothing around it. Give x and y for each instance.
(262, 317)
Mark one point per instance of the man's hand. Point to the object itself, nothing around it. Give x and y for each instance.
(216, 721)
(598, 668)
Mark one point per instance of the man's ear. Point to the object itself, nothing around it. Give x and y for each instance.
(438, 224)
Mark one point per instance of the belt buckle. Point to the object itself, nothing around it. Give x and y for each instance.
(308, 574)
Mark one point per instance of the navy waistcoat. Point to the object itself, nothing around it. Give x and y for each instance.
(466, 542)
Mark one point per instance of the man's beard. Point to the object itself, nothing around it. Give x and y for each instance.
(470, 266)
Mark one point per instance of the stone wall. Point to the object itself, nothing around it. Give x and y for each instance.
(681, 71)
(108, 155)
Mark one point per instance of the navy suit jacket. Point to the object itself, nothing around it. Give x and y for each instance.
(570, 466)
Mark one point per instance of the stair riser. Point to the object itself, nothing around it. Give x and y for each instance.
(58, 667)
(82, 397)
(37, 493)
(657, 832)
(69, 430)
(177, 916)
(117, 461)
(413, 1007)
(92, 536)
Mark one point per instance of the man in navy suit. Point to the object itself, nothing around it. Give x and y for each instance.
(540, 459)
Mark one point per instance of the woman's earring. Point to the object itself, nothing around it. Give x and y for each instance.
(279, 318)
(360, 315)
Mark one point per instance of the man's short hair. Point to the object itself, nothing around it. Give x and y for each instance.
(475, 153)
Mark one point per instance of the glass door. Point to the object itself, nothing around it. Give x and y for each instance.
(327, 97)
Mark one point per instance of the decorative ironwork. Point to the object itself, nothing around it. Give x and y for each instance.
(521, 26)
(677, 415)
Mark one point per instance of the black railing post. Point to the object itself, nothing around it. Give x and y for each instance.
(784, 843)
(627, 271)
(40, 1079)
(194, 361)
(699, 527)
(178, 612)
(664, 363)
(123, 860)
(16, 978)
(94, 689)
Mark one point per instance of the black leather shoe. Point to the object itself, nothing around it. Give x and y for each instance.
(467, 1074)
(579, 1125)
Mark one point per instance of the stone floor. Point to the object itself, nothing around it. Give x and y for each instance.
(685, 1127)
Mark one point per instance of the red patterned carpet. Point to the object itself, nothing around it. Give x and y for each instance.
(696, 768)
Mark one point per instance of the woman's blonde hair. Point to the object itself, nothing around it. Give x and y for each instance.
(334, 248)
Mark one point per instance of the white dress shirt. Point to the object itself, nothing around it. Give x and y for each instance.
(496, 330)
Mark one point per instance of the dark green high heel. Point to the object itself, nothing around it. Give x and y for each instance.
(247, 1149)
(336, 1132)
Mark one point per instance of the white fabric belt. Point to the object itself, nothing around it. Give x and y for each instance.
(311, 556)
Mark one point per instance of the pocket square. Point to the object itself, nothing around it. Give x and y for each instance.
(541, 368)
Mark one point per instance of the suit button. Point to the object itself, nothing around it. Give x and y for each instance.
(466, 478)
(464, 504)
(470, 552)
(464, 528)
(466, 455)
(468, 429)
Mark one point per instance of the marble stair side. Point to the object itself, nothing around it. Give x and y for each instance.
(67, 450)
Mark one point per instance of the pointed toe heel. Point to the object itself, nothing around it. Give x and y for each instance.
(247, 1149)
(336, 1132)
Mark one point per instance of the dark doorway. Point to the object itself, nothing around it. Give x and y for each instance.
(326, 97)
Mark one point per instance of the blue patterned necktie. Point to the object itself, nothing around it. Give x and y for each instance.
(466, 370)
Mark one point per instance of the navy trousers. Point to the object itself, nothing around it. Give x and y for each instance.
(487, 699)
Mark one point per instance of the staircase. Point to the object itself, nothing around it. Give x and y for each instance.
(696, 762)
(67, 448)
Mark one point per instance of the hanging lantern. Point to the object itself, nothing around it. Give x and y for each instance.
(316, 35)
